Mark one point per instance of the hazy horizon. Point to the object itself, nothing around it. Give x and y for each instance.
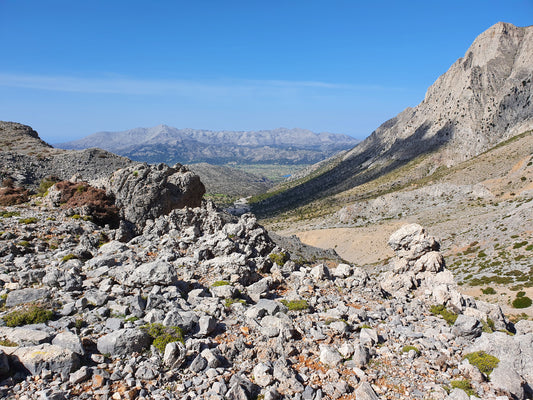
(72, 69)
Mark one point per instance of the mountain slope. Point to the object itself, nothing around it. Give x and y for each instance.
(27, 159)
(229, 181)
(484, 98)
(170, 145)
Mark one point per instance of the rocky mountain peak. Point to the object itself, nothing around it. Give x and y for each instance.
(483, 99)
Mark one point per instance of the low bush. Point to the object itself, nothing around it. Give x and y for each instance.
(407, 349)
(163, 335)
(447, 315)
(99, 206)
(32, 315)
(220, 283)
(27, 221)
(46, 184)
(522, 302)
(278, 258)
(295, 305)
(465, 385)
(10, 196)
(483, 361)
(488, 290)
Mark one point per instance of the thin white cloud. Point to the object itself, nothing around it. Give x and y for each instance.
(129, 86)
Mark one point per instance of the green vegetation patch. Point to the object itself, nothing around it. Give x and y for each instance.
(220, 283)
(229, 302)
(522, 302)
(407, 349)
(69, 257)
(163, 335)
(279, 258)
(8, 343)
(295, 305)
(488, 290)
(32, 315)
(26, 221)
(9, 214)
(447, 315)
(45, 184)
(483, 361)
(465, 385)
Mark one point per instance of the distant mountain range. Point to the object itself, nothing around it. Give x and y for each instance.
(170, 145)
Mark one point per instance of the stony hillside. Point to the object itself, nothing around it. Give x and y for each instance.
(27, 159)
(483, 99)
(170, 145)
(219, 179)
(199, 304)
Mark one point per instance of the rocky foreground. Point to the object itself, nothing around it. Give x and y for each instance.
(182, 301)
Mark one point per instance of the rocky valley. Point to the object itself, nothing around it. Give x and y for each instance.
(412, 279)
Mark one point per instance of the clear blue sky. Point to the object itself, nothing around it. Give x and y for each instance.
(71, 68)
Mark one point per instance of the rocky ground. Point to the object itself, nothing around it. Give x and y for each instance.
(481, 210)
(198, 304)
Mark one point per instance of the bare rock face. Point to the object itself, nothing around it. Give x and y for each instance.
(481, 100)
(144, 192)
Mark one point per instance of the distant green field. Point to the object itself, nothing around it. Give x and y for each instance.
(275, 172)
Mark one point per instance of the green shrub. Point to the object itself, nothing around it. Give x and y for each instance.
(278, 258)
(447, 315)
(32, 315)
(295, 305)
(69, 257)
(483, 361)
(220, 283)
(522, 302)
(465, 385)
(27, 221)
(488, 326)
(163, 335)
(8, 343)
(517, 245)
(229, 302)
(9, 214)
(45, 184)
(488, 290)
(407, 349)
(23, 243)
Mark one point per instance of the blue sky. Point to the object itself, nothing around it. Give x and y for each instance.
(72, 68)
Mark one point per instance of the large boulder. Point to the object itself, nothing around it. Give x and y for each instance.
(34, 359)
(123, 342)
(515, 352)
(144, 192)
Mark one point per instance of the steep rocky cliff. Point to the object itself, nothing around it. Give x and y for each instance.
(483, 99)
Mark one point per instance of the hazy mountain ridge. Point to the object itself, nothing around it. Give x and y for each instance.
(163, 143)
(483, 99)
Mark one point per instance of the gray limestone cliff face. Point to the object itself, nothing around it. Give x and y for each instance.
(482, 99)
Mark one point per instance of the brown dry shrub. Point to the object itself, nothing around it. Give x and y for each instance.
(9, 196)
(94, 202)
